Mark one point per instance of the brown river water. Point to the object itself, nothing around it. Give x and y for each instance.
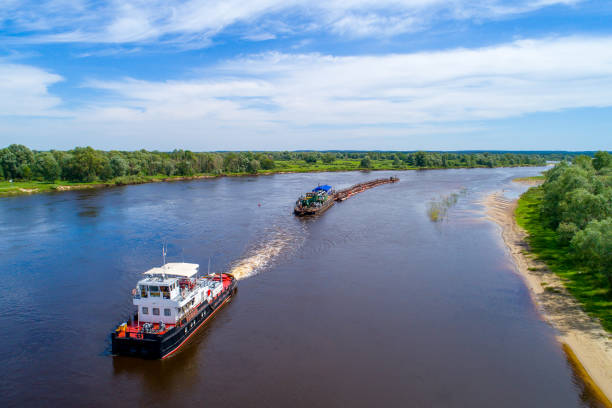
(370, 304)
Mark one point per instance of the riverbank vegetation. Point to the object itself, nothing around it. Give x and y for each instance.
(437, 209)
(532, 179)
(569, 221)
(23, 170)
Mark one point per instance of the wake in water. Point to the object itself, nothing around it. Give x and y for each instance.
(279, 242)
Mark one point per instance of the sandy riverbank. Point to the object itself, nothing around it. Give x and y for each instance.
(588, 341)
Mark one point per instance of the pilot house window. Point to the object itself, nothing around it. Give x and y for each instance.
(156, 311)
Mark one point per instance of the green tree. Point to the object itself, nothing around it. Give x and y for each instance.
(583, 161)
(560, 181)
(231, 163)
(8, 162)
(420, 159)
(580, 206)
(366, 162)
(24, 160)
(47, 167)
(267, 162)
(85, 164)
(119, 166)
(253, 166)
(184, 168)
(396, 161)
(310, 158)
(601, 160)
(593, 246)
(328, 158)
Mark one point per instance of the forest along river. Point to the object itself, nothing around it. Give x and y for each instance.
(369, 304)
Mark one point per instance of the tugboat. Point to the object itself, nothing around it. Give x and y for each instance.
(173, 303)
(317, 201)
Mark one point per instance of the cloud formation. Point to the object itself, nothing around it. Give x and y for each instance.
(24, 90)
(454, 85)
(268, 95)
(196, 22)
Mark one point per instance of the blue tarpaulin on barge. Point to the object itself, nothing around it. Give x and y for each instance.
(324, 187)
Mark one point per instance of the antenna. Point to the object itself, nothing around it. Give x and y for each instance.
(209, 265)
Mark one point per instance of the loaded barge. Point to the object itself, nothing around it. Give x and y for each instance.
(173, 303)
(323, 197)
(320, 199)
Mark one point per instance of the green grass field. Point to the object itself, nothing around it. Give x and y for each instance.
(591, 289)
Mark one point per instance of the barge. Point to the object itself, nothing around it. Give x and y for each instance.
(320, 199)
(173, 302)
(323, 197)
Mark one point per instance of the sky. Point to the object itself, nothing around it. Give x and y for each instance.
(294, 74)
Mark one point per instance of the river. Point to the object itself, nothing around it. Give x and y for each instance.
(369, 304)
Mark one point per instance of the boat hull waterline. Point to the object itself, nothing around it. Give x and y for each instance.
(156, 346)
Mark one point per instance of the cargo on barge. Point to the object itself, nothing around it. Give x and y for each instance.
(320, 199)
(323, 197)
(173, 303)
(360, 187)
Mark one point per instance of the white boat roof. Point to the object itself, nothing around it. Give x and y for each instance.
(186, 270)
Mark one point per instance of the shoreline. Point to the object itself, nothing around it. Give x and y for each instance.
(18, 191)
(583, 335)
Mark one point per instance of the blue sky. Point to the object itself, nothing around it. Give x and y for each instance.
(296, 74)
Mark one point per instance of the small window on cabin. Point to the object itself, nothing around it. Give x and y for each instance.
(167, 312)
(154, 291)
(156, 311)
(145, 310)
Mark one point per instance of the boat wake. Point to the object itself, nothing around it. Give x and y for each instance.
(279, 243)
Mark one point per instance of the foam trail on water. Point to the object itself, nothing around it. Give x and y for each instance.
(262, 255)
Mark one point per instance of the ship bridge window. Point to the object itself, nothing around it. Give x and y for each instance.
(165, 291)
(154, 291)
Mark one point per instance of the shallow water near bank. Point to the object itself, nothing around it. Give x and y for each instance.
(369, 304)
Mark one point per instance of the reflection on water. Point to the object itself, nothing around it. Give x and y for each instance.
(368, 304)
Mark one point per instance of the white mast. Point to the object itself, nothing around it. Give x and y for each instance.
(164, 250)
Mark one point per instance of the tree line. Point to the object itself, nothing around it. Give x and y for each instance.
(85, 164)
(577, 203)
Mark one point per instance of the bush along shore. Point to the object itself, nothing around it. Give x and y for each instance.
(560, 237)
(569, 222)
(24, 171)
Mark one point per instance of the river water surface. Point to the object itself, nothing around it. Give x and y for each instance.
(370, 304)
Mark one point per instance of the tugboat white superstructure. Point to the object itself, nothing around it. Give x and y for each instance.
(173, 302)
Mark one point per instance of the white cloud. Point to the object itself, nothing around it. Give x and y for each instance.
(24, 91)
(276, 100)
(455, 85)
(197, 21)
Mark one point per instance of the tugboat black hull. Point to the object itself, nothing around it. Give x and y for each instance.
(156, 346)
